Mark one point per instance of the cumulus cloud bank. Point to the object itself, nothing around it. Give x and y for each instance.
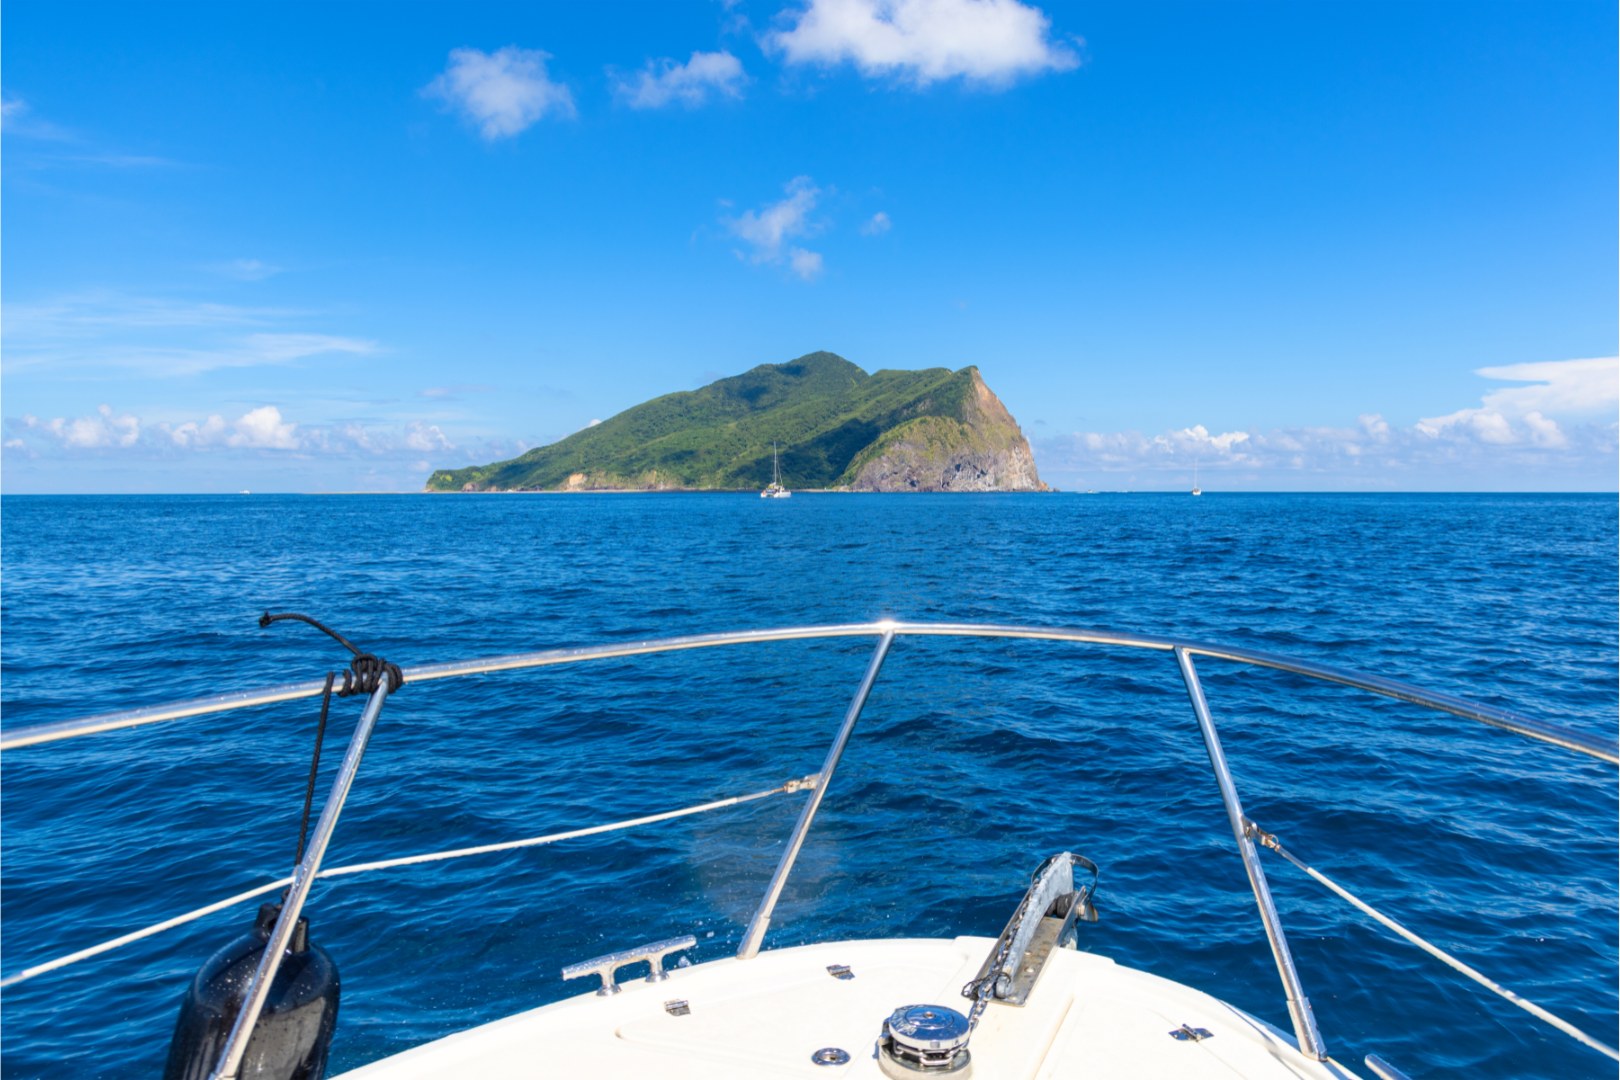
(503, 92)
(1511, 431)
(104, 429)
(263, 428)
(665, 82)
(769, 230)
(1518, 414)
(988, 42)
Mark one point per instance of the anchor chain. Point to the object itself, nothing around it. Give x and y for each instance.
(982, 990)
(996, 982)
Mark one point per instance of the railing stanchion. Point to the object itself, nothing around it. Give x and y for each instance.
(755, 934)
(258, 989)
(1299, 1007)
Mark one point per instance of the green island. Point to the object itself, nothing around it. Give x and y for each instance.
(837, 428)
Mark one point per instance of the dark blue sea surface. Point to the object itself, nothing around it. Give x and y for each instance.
(974, 760)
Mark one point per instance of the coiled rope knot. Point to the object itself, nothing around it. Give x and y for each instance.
(366, 671)
(366, 674)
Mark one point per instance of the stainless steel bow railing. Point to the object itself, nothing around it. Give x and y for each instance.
(1244, 831)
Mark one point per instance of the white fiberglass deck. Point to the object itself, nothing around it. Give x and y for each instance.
(765, 1017)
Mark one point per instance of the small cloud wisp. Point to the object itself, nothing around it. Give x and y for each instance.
(877, 224)
(665, 82)
(769, 230)
(504, 92)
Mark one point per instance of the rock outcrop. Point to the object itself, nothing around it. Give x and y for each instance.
(984, 450)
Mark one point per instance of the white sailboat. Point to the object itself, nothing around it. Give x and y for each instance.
(775, 490)
(1196, 489)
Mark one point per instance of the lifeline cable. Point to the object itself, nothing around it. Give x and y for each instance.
(1266, 839)
(798, 784)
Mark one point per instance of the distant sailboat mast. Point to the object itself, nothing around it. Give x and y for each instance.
(775, 490)
(1196, 489)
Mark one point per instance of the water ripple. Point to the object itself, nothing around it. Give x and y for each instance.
(974, 760)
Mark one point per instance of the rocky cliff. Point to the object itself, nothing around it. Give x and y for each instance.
(982, 450)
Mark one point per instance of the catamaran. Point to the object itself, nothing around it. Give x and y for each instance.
(775, 490)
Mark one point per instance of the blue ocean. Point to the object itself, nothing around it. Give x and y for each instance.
(973, 761)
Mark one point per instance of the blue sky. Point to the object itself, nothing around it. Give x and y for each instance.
(330, 247)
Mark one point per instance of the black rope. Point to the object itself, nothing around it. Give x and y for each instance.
(364, 675)
(365, 672)
(266, 619)
(314, 766)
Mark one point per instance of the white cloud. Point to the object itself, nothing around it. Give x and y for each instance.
(989, 42)
(17, 118)
(877, 224)
(158, 337)
(104, 429)
(254, 350)
(112, 159)
(257, 429)
(81, 314)
(769, 226)
(261, 428)
(425, 437)
(768, 229)
(1559, 386)
(1483, 425)
(1505, 437)
(689, 84)
(190, 435)
(1516, 414)
(70, 148)
(264, 429)
(503, 92)
(805, 264)
(285, 348)
(1544, 431)
(381, 440)
(1198, 437)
